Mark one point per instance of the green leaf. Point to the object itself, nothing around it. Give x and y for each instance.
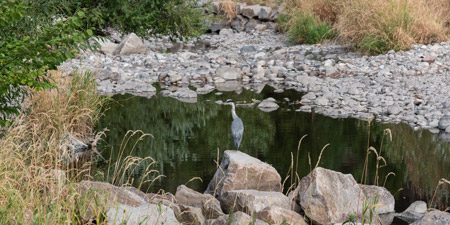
(89, 32)
(80, 13)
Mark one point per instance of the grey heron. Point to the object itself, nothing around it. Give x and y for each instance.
(237, 127)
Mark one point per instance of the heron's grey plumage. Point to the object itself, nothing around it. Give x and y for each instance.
(237, 127)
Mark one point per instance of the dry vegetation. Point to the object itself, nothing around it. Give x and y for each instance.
(32, 189)
(372, 26)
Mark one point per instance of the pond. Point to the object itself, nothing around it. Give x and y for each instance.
(187, 138)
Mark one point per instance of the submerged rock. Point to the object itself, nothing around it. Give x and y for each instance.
(415, 211)
(239, 171)
(268, 105)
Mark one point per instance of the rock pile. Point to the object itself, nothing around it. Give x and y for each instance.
(245, 190)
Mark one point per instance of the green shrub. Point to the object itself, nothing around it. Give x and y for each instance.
(29, 47)
(308, 29)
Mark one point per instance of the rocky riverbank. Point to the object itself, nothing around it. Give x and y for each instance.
(245, 190)
(410, 86)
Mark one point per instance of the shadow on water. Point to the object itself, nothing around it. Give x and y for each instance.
(187, 137)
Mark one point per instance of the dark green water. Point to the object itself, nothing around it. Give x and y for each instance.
(187, 137)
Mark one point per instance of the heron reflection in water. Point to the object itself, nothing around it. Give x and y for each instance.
(237, 127)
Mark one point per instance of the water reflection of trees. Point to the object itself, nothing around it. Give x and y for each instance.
(187, 137)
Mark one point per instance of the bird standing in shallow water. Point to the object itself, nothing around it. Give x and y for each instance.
(237, 127)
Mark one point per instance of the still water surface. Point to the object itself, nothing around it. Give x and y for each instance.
(187, 137)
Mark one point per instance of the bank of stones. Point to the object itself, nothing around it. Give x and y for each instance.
(394, 87)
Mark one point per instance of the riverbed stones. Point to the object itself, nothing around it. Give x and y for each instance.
(184, 95)
(252, 200)
(278, 215)
(434, 217)
(131, 44)
(382, 196)
(239, 171)
(264, 13)
(329, 197)
(229, 73)
(444, 122)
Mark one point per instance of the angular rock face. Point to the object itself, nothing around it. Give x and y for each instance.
(72, 150)
(251, 11)
(434, 217)
(251, 201)
(238, 218)
(146, 214)
(209, 206)
(264, 13)
(238, 23)
(131, 44)
(189, 215)
(383, 197)
(239, 171)
(277, 215)
(329, 197)
(189, 197)
(229, 73)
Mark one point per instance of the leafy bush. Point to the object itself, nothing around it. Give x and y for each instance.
(28, 48)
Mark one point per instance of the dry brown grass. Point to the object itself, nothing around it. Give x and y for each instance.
(31, 187)
(379, 25)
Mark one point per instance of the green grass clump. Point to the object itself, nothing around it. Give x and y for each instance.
(310, 30)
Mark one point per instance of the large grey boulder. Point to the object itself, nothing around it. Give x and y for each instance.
(131, 44)
(329, 197)
(252, 200)
(146, 214)
(239, 171)
(251, 11)
(229, 73)
(435, 217)
(383, 196)
(277, 215)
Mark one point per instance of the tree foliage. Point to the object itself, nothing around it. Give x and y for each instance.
(29, 47)
(38, 35)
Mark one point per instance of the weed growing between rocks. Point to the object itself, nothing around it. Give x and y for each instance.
(32, 185)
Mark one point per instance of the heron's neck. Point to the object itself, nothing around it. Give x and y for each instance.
(233, 111)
